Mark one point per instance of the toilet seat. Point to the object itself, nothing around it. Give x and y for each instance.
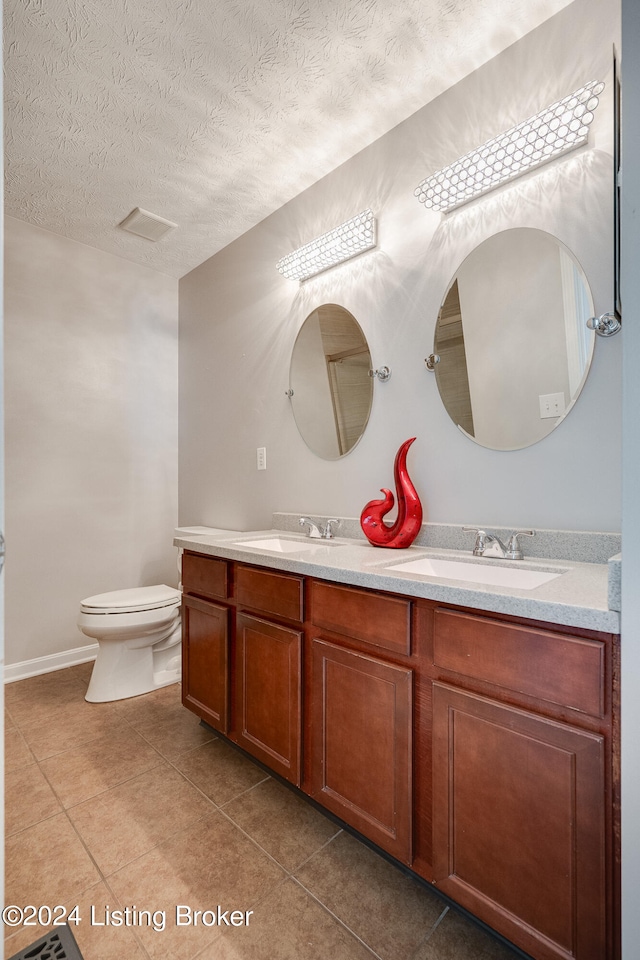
(138, 631)
(132, 600)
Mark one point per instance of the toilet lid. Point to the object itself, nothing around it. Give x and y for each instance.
(132, 600)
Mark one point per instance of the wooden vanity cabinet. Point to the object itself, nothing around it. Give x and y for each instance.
(521, 750)
(479, 750)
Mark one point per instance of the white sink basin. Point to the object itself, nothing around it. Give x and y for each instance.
(483, 573)
(282, 545)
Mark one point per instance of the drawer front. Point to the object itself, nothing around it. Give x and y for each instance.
(380, 620)
(205, 576)
(269, 592)
(569, 671)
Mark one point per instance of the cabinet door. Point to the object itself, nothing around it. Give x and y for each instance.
(205, 661)
(361, 743)
(268, 694)
(518, 825)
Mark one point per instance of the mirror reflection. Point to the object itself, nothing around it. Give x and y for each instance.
(512, 339)
(329, 378)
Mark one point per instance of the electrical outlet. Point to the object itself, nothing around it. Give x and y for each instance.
(261, 457)
(551, 405)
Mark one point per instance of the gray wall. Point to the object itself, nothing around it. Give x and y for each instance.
(91, 433)
(239, 318)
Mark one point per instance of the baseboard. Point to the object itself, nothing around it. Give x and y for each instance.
(55, 661)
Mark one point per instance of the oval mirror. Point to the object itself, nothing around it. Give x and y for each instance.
(331, 389)
(513, 346)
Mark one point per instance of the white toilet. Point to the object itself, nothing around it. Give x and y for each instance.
(138, 632)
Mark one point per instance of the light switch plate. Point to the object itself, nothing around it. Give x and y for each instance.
(551, 405)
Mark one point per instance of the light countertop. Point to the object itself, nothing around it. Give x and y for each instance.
(579, 597)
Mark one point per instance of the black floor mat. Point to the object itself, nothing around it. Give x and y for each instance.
(58, 944)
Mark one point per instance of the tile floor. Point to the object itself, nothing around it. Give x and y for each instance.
(133, 806)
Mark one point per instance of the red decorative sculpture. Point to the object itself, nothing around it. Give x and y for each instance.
(407, 525)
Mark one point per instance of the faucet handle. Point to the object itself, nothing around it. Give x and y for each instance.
(481, 540)
(514, 550)
(328, 532)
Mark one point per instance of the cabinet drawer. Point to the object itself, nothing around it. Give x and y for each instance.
(204, 576)
(380, 620)
(269, 592)
(569, 671)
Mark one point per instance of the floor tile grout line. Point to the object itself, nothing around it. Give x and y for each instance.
(344, 925)
(22, 737)
(170, 759)
(159, 845)
(101, 793)
(215, 738)
(85, 743)
(245, 792)
(80, 688)
(36, 823)
(142, 947)
(217, 805)
(429, 934)
(316, 852)
(206, 947)
(220, 807)
(254, 842)
(39, 681)
(86, 848)
(76, 746)
(251, 906)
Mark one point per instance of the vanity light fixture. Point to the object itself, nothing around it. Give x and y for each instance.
(350, 238)
(561, 127)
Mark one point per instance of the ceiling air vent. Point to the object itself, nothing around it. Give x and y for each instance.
(147, 225)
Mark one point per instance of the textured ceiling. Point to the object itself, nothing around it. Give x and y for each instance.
(213, 113)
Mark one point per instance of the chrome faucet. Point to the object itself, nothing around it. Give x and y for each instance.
(490, 545)
(316, 533)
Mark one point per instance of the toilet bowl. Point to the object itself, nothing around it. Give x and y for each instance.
(138, 632)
